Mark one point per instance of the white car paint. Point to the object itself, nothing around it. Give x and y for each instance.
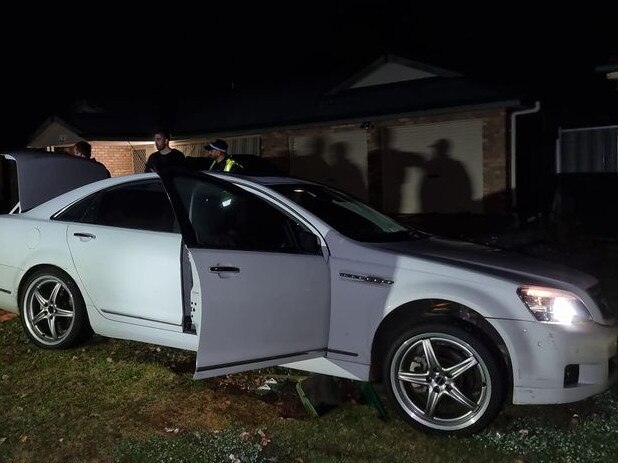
(142, 266)
(313, 312)
(267, 308)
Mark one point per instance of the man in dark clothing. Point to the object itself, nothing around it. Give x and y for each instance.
(221, 162)
(165, 156)
(83, 149)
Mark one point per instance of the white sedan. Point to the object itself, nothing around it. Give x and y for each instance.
(254, 272)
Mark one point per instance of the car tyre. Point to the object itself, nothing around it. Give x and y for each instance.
(53, 313)
(443, 380)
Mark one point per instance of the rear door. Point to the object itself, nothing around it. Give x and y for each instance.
(265, 293)
(126, 247)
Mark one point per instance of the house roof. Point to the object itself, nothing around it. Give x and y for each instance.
(389, 69)
(390, 86)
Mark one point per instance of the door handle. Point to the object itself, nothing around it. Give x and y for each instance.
(223, 269)
(85, 236)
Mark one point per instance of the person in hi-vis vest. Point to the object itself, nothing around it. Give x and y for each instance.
(221, 162)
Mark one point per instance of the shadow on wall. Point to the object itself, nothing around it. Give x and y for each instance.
(330, 164)
(431, 182)
(312, 165)
(345, 174)
(444, 186)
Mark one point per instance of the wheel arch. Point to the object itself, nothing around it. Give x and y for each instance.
(438, 311)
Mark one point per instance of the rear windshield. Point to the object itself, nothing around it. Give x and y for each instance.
(8, 185)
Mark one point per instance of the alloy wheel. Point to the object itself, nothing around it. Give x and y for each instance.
(440, 381)
(49, 309)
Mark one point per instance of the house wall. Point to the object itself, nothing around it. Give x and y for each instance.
(117, 158)
(496, 162)
(277, 147)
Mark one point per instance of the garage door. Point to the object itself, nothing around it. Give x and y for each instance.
(433, 168)
(336, 159)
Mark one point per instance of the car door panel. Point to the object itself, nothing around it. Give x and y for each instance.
(260, 309)
(128, 272)
(265, 299)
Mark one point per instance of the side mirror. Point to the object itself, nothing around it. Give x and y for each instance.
(309, 243)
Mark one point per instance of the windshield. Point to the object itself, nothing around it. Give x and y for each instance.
(347, 215)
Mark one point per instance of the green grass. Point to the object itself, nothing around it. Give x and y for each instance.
(119, 401)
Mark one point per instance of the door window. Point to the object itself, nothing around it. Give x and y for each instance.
(138, 205)
(226, 217)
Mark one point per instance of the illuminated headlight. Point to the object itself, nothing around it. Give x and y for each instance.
(553, 305)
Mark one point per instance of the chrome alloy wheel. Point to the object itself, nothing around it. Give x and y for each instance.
(48, 309)
(440, 381)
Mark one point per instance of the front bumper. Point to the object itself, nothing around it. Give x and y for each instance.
(558, 364)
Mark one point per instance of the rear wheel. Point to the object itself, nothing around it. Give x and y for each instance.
(443, 380)
(52, 309)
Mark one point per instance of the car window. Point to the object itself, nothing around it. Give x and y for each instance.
(139, 205)
(231, 218)
(8, 185)
(346, 214)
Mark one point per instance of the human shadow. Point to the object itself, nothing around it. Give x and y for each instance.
(442, 182)
(446, 186)
(345, 175)
(312, 165)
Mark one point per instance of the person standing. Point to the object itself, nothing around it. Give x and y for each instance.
(83, 149)
(165, 156)
(221, 162)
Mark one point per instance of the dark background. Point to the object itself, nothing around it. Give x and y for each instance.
(56, 56)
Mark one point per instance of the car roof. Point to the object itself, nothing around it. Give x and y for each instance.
(261, 180)
(251, 164)
(51, 207)
(57, 203)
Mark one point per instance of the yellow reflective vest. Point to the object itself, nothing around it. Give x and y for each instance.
(228, 165)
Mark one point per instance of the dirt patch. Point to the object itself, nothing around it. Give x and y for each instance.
(5, 316)
(286, 401)
(282, 396)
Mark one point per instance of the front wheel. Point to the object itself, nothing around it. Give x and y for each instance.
(53, 313)
(443, 380)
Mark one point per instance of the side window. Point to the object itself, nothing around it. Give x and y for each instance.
(8, 185)
(232, 218)
(138, 205)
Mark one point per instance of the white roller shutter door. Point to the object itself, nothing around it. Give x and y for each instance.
(444, 178)
(336, 159)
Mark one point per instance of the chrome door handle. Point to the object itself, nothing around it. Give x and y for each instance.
(88, 236)
(224, 269)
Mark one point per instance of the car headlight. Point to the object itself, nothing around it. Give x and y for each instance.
(551, 305)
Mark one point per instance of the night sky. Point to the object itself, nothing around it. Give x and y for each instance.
(167, 54)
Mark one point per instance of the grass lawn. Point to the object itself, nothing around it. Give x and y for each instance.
(112, 400)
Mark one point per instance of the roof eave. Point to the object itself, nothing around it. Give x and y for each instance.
(354, 119)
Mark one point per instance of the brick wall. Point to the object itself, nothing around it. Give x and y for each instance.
(496, 163)
(117, 158)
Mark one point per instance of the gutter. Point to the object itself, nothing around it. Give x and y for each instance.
(514, 114)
